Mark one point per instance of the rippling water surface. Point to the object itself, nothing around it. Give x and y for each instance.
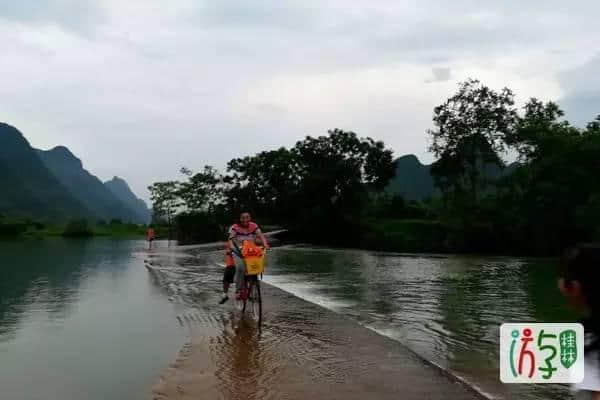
(446, 308)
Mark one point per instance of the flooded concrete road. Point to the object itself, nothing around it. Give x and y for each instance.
(299, 351)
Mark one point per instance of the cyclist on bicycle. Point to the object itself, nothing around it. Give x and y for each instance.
(238, 233)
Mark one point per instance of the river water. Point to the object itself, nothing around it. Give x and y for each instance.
(85, 319)
(82, 319)
(447, 309)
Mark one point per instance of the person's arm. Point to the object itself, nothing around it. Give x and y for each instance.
(229, 244)
(263, 239)
(596, 396)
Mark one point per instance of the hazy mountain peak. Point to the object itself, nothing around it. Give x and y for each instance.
(62, 150)
(11, 136)
(62, 155)
(115, 179)
(29, 188)
(413, 179)
(122, 191)
(409, 158)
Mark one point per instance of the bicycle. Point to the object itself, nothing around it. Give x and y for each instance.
(251, 292)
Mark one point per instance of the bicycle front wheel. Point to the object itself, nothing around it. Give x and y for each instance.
(241, 299)
(240, 304)
(255, 299)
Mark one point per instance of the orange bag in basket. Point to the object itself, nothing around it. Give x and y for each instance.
(254, 258)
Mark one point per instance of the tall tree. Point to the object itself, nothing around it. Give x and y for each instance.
(165, 201)
(553, 194)
(471, 131)
(265, 182)
(202, 191)
(314, 185)
(539, 129)
(337, 173)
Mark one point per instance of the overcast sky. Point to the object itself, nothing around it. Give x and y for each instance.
(140, 88)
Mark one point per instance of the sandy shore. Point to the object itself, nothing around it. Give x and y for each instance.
(300, 351)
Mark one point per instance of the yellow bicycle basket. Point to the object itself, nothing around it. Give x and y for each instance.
(254, 258)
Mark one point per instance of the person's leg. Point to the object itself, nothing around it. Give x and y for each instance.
(229, 263)
(227, 281)
(228, 273)
(240, 274)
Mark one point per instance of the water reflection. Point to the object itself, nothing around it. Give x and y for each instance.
(47, 274)
(81, 319)
(240, 362)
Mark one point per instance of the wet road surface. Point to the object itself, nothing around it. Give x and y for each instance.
(299, 351)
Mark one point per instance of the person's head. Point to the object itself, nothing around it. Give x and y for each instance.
(245, 219)
(578, 277)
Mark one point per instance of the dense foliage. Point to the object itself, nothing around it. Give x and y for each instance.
(549, 199)
(78, 228)
(318, 187)
(11, 227)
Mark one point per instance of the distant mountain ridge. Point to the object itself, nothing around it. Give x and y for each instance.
(53, 185)
(121, 190)
(413, 180)
(87, 188)
(28, 188)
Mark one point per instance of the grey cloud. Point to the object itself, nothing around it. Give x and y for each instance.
(582, 77)
(581, 107)
(440, 74)
(74, 15)
(292, 15)
(340, 33)
(271, 109)
(581, 101)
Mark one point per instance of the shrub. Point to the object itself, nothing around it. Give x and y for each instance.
(78, 228)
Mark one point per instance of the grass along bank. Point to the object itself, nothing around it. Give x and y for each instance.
(16, 228)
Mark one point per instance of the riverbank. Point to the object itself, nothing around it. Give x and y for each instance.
(419, 236)
(28, 229)
(300, 351)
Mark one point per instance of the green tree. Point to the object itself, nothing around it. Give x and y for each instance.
(551, 199)
(317, 186)
(165, 201)
(337, 174)
(202, 191)
(540, 130)
(267, 183)
(471, 130)
(78, 228)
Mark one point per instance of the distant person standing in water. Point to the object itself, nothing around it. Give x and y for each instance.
(150, 236)
(578, 281)
(245, 229)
